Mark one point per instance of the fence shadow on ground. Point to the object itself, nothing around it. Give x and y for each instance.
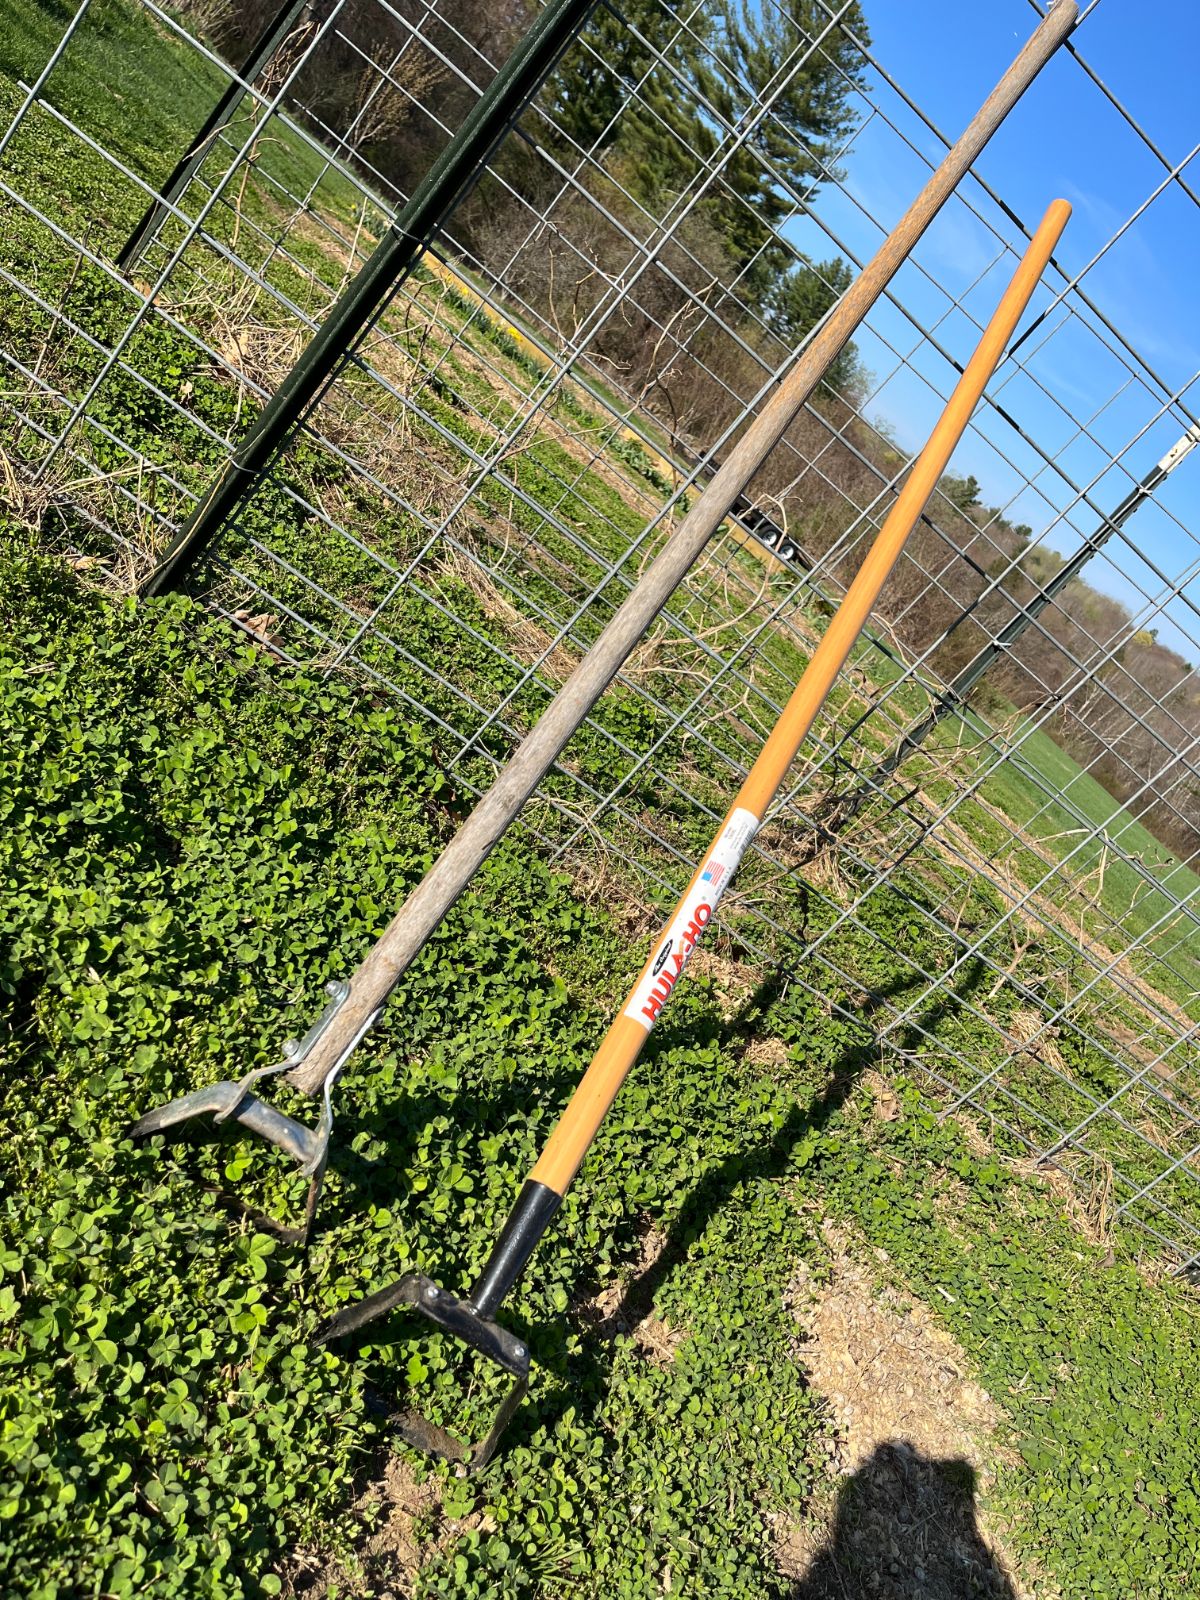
(771, 1157)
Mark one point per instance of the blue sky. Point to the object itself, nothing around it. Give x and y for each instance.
(1063, 139)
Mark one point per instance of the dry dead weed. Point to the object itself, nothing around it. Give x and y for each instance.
(529, 642)
(733, 981)
(625, 1305)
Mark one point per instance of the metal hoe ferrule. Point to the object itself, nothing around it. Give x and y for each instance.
(233, 1102)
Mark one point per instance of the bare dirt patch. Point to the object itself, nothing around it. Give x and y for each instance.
(625, 1305)
(913, 1440)
(403, 1528)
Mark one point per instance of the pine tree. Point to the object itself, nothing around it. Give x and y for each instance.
(659, 98)
(798, 301)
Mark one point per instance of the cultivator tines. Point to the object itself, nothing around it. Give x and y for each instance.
(233, 1102)
(463, 1319)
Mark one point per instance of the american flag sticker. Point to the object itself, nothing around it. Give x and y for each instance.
(713, 873)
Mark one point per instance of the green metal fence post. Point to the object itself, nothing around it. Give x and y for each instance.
(446, 182)
(261, 54)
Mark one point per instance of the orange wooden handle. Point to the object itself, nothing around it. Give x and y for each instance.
(622, 1044)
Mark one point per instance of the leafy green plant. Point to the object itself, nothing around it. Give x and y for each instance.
(194, 837)
(176, 879)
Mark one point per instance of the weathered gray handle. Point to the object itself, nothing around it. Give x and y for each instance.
(420, 914)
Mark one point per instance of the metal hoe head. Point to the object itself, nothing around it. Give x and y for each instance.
(233, 1102)
(466, 1322)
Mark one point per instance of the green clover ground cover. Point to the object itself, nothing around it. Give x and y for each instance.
(192, 840)
(173, 877)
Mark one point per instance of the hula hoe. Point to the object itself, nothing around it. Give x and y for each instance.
(314, 1064)
(472, 1319)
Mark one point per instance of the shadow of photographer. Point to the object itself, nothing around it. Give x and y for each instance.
(905, 1528)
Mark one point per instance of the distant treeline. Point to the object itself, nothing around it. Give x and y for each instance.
(643, 211)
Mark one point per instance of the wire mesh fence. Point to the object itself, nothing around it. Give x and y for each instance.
(984, 874)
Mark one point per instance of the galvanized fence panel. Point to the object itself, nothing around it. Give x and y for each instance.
(528, 415)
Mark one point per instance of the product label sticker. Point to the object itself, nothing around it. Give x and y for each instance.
(695, 912)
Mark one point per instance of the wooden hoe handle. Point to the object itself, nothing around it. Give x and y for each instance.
(405, 936)
(543, 1190)
(623, 1042)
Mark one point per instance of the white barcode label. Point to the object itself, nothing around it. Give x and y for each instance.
(689, 922)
